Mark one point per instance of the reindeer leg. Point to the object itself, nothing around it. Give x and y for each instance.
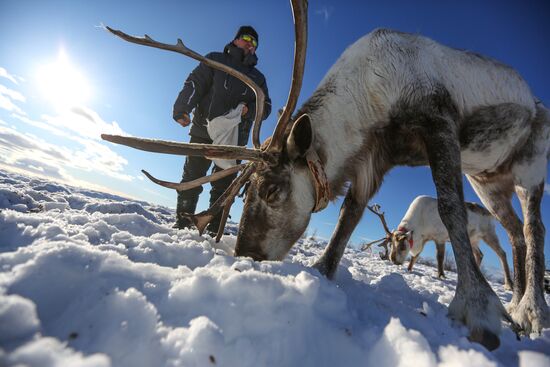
(350, 214)
(492, 241)
(496, 194)
(475, 304)
(412, 262)
(532, 312)
(478, 255)
(440, 259)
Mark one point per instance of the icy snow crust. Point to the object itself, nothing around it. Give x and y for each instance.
(92, 279)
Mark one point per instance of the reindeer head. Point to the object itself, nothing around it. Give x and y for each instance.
(286, 181)
(280, 199)
(399, 246)
(398, 240)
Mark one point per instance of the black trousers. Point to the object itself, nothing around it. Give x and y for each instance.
(197, 167)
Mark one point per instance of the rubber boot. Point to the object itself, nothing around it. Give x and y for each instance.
(214, 225)
(185, 205)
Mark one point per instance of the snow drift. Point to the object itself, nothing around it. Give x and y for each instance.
(92, 279)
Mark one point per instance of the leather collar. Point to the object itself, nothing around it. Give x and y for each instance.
(322, 187)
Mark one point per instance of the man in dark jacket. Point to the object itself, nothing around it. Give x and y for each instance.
(212, 93)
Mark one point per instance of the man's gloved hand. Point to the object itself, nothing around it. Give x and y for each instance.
(184, 121)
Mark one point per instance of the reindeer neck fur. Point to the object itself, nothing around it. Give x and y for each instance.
(340, 124)
(422, 208)
(423, 220)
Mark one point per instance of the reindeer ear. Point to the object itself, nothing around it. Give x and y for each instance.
(300, 138)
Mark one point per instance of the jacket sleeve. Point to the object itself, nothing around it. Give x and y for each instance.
(267, 105)
(195, 87)
(248, 118)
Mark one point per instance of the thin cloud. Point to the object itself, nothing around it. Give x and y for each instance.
(80, 126)
(16, 146)
(42, 125)
(4, 74)
(547, 189)
(81, 121)
(84, 113)
(10, 93)
(42, 168)
(28, 153)
(103, 157)
(325, 12)
(8, 97)
(7, 104)
(78, 145)
(104, 160)
(84, 122)
(17, 149)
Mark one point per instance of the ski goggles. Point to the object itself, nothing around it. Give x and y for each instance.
(249, 38)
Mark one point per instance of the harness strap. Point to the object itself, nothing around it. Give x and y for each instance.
(322, 187)
(405, 230)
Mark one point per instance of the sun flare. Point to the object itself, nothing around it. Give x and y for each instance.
(62, 84)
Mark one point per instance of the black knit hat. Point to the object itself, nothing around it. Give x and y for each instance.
(246, 29)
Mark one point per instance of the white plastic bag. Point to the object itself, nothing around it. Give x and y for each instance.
(224, 130)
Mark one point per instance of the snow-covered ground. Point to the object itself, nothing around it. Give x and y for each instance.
(92, 279)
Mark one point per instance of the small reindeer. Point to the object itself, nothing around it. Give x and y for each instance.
(393, 99)
(422, 223)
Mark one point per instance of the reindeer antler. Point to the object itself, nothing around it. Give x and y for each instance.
(376, 210)
(202, 219)
(386, 239)
(385, 246)
(366, 246)
(257, 157)
(299, 10)
(194, 149)
(182, 186)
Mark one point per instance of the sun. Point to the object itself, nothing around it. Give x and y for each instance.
(62, 84)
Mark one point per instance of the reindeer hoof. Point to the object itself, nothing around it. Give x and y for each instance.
(531, 314)
(486, 338)
(324, 269)
(480, 310)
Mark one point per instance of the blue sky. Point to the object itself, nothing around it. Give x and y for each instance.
(54, 51)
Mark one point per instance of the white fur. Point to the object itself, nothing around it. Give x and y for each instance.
(423, 219)
(363, 98)
(303, 197)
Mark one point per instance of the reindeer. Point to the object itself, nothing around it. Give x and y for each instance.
(422, 223)
(394, 99)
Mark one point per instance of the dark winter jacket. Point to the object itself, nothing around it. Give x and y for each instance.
(212, 93)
